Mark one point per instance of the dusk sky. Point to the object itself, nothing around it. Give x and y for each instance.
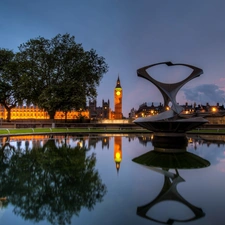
(131, 34)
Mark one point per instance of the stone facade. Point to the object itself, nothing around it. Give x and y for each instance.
(33, 112)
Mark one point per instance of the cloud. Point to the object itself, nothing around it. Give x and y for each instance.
(205, 93)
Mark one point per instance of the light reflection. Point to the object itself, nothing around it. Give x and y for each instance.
(117, 151)
(144, 140)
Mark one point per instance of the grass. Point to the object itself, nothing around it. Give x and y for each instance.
(5, 131)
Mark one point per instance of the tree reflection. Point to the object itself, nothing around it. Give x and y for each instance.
(51, 183)
(6, 150)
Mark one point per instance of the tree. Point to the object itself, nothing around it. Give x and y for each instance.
(10, 81)
(60, 74)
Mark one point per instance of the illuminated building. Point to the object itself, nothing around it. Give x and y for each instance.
(147, 110)
(33, 112)
(93, 111)
(215, 114)
(118, 94)
(104, 111)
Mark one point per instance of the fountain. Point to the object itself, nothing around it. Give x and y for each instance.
(170, 142)
(171, 121)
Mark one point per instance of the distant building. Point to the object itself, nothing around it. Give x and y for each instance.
(92, 112)
(215, 114)
(132, 113)
(33, 112)
(146, 110)
(97, 112)
(104, 111)
(118, 96)
(203, 110)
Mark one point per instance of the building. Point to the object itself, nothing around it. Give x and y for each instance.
(92, 112)
(118, 96)
(215, 114)
(103, 112)
(33, 113)
(146, 110)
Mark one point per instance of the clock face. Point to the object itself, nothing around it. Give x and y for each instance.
(118, 93)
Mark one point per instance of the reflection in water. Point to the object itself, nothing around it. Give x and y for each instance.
(6, 150)
(49, 183)
(169, 192)
(170, 152)
(117, 151)
(196, 140)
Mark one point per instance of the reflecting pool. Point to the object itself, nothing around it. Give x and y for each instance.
(99, 180)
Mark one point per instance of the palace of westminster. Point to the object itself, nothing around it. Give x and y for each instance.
(91, 112)
(214, 114)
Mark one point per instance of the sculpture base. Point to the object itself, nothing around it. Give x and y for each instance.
(170, 126)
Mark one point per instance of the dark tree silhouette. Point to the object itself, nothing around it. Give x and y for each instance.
(11, 79)
(60, 74)
(51, 183)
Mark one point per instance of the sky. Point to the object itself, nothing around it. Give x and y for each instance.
(130, 35)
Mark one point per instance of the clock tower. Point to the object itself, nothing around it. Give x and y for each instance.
(118, 94)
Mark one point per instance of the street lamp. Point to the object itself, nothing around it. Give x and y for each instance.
(214, 109)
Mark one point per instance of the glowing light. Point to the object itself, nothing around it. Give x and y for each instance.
(214, 109)
(118, 155)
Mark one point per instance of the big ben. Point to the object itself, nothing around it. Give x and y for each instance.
(118, 94)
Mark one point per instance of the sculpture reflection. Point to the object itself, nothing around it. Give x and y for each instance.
(50, 183)
(169, 154)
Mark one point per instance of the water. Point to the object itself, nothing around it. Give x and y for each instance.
(104, 186)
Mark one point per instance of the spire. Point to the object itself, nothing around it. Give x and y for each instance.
(118, 82)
